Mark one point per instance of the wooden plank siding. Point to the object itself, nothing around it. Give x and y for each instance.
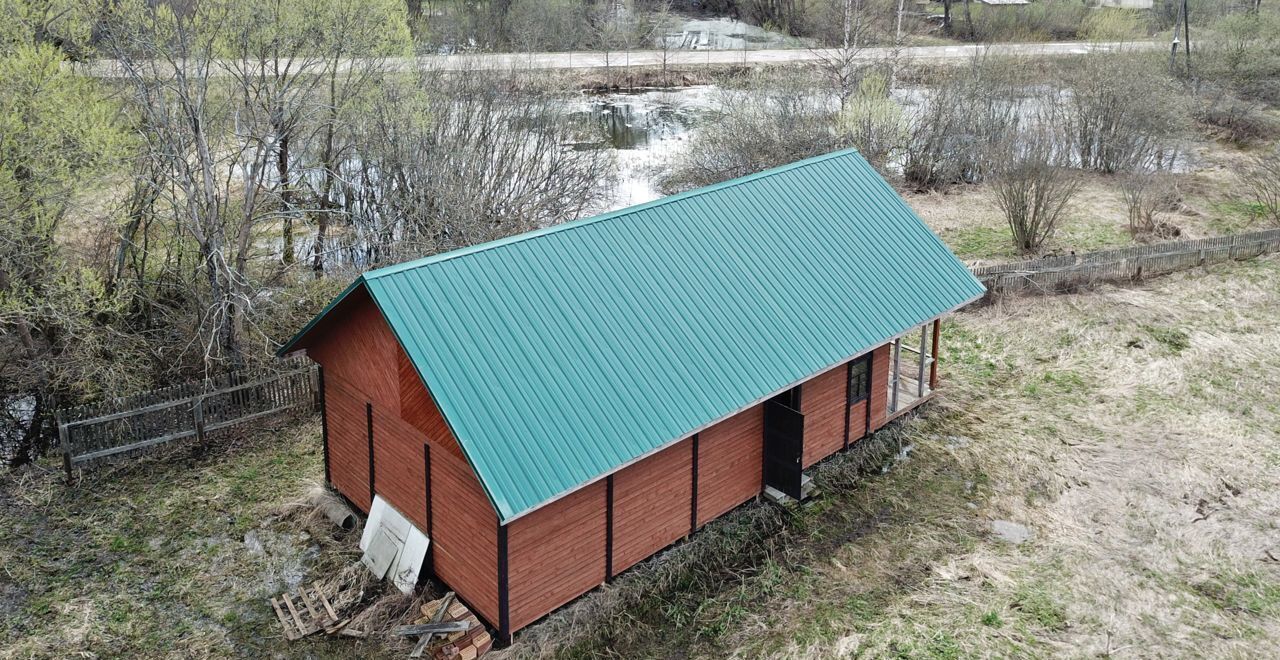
(419, 409)
(360, 350)
(398, 466)
(651, 503)
(556, 553)
(730, 458)
(822, 400)
(348, 439)
(880, 386)
(465, 533)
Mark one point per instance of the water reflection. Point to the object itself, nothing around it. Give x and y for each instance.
(647, 129)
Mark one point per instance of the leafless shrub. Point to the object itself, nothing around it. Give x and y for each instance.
(1145, 195)
(956, 123)
(1124, 112)
(1231, 118)
(766, 120)
(451, 160)
(1033, 188)
(1263, 179)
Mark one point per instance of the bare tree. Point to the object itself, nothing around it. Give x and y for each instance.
(957, 123)
(766, 120)
(273, 63)
(840, 64)
(462, 159)
(360, 36)
(1033, 189)
(1145, 195)
(1125, 114)
(167, 59)
(1263, 179)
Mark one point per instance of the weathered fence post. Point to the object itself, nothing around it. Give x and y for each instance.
(64, 438)
(197, 414)
(317, 387)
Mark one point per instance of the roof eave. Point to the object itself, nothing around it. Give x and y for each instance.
(682, 437)
(289, 346)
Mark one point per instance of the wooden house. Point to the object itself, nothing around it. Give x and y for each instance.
(554, 407)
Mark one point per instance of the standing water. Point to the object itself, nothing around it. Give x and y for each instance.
(647, 130)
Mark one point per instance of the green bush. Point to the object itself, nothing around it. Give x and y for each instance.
(1047, 20)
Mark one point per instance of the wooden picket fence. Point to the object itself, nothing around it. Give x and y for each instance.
(130, 425)
(1069, 272)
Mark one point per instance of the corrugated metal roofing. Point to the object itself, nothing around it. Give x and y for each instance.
(560, 355)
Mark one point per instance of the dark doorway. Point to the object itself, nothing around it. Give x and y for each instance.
(784, 443)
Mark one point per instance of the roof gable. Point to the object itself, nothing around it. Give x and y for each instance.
(561, 355)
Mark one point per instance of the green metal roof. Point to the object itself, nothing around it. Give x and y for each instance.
(560, 355)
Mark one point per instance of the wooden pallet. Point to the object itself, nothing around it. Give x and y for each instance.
(468, 645)
(313, 614)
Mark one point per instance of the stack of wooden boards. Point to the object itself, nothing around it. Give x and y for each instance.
(310, 615)
(447, 630)
(467, 645)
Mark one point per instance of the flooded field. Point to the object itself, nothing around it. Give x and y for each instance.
(646, 130)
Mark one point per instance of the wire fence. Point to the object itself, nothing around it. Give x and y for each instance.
(1070, 272)
(131, 425)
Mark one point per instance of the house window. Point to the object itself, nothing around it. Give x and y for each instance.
(860, 379)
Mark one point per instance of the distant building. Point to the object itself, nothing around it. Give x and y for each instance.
(1127, 4)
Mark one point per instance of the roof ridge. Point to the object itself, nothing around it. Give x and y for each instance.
(596, 219)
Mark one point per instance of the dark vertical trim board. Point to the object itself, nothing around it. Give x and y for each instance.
(324, 424)
(693, 497)
(368, 413)
(848, 376)
(608, 528)
(933, 365)
(871, 390)
(504, 607)
(431, 541)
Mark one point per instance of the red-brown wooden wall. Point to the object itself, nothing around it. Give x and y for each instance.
(557, 552)
(464, 530)
(730, 460)
(364, 364)
(651, 504)
(822, 400)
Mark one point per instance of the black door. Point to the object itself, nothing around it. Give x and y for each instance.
(783, 446)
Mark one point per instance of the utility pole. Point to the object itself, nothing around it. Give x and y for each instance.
(1173, 47)
(1186, 36)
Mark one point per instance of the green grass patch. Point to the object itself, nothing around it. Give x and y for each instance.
(981, 243)
(1243, 593)
(1235, 216)
(1038, 607)
(1175, 340)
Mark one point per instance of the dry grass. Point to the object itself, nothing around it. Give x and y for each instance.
(1134, 430)
(171, 555)
(1214, 202)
